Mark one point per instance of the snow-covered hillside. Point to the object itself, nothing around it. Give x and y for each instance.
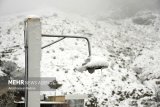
(130, 46)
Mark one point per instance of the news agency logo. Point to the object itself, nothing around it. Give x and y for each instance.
(16, 82)
(32, 84)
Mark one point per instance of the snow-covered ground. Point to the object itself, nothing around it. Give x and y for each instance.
(130, 46)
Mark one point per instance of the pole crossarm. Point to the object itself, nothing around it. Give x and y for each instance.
(67, 36)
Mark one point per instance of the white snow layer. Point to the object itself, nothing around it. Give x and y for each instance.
(130, 50)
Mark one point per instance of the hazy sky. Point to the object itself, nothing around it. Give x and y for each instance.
(17, 6)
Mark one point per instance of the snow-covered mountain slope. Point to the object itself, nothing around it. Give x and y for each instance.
(130, 46)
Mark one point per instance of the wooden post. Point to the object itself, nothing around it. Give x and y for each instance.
(32, 57)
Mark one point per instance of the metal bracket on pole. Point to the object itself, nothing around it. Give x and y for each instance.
(67, 36)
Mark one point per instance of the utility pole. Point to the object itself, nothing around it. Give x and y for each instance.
(32, 33)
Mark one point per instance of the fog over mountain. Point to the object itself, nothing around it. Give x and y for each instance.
(125, 7)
